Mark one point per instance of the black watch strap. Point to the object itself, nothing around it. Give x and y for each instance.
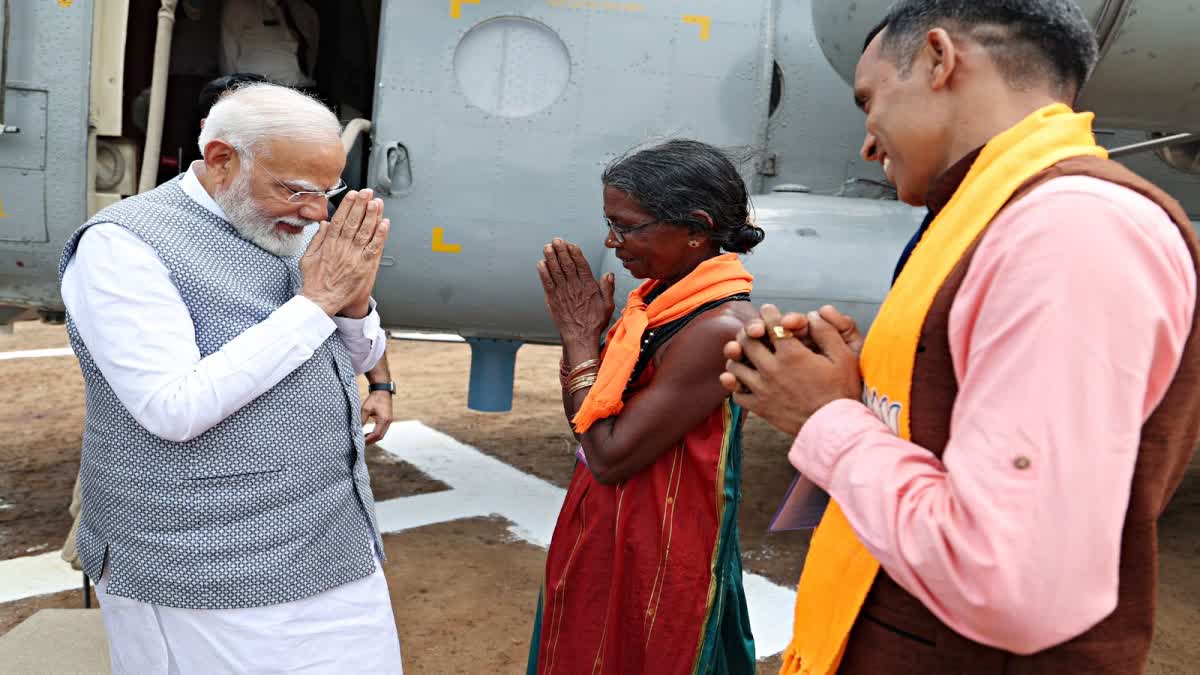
(389, 387)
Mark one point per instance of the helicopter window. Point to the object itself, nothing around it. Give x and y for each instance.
(512, 66)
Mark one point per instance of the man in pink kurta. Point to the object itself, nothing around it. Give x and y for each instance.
(1013, 540)
(1065, 334)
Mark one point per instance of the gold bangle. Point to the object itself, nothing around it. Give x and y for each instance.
(590, 363)
(588, 373)
(590, 379)
(582, 382)
(579, 388)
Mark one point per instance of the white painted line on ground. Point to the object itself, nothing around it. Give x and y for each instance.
(532, 504)
(426, 337)
(529, 503)
(36, 353)
(405, 513)
(32, 575)
(772, 608)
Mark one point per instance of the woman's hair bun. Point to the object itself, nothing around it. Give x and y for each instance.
(742, 239)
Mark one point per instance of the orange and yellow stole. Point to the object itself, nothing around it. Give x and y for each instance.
(713, 279)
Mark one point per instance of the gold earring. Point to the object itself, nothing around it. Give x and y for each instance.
(694, 244)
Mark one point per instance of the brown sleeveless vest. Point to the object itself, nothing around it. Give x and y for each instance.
(895, 633)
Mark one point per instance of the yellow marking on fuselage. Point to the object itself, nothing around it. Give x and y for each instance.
(705, 23)
(440, 245)
(456, 7)
(2, 213)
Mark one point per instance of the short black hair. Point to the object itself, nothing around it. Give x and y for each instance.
(216, 88)
(1030, 40)
(675, 178)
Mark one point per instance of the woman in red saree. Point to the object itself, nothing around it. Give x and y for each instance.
(644, 570)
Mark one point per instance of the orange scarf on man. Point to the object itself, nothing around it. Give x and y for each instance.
(713, 279)
(839, 571)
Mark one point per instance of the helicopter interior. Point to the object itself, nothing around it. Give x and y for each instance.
(335, 50)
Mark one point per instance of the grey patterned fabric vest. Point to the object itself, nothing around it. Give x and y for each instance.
(272, 504)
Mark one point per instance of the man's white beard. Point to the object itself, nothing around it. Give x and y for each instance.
(254, 224)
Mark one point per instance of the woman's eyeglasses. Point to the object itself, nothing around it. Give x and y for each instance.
(619, 231)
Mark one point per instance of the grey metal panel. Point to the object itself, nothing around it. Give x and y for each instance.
(829, 250)
(1147, 78)
(809, 138)
(500, 186)
(49, 50)
(23, 213)
(26, 110)
(816, 132)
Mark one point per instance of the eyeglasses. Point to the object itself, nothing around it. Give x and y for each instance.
(298, 196)
(619, 231)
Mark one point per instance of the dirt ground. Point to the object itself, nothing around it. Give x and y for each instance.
(464, 592)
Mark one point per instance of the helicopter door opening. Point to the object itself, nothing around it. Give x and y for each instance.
(323, 47)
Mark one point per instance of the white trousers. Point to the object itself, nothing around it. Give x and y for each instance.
(347, 629)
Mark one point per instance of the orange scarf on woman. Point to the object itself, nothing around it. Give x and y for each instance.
(713, 279)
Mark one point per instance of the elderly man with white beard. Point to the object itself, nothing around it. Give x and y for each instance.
(219, 323)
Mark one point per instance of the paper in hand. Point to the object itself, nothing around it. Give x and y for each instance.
(803, 505)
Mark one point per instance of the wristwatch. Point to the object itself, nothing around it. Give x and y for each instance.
(389, 387)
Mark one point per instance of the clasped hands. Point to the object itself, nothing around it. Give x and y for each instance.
(784, 368)
(340, 264)
(580, 306)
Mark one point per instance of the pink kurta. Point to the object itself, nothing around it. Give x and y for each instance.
(1065, 334)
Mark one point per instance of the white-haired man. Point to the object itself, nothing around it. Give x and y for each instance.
(227, 511)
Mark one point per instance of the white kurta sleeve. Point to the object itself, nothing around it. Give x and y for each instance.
(139, 332)
(365, 339)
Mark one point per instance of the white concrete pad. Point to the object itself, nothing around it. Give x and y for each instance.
(57, 642)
